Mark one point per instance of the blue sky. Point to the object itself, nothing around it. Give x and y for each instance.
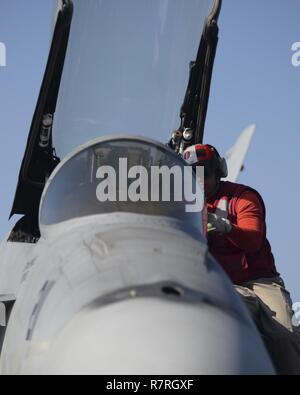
(254, 81)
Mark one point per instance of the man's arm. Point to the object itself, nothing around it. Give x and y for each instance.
(249, 233)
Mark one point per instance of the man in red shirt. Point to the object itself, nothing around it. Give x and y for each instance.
(237, 238)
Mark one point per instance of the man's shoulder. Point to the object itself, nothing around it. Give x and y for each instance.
(235, 190)
(232, 187)
(243, 195)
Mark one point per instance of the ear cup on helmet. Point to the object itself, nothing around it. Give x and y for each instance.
(223, 168)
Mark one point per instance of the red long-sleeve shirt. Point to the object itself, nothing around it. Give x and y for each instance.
(245, 253)
(248, 234)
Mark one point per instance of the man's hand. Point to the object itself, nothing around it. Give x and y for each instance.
(216, 224)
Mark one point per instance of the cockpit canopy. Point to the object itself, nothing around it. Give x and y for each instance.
(136, 66)
(127, 175)
(126, 69)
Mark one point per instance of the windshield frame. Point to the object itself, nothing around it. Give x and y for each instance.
(126, 138)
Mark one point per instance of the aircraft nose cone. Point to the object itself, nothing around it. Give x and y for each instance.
(155, 336)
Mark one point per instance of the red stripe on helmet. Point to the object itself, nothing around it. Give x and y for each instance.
(204, 152)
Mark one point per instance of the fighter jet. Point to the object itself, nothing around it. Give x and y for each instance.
(119, 286)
